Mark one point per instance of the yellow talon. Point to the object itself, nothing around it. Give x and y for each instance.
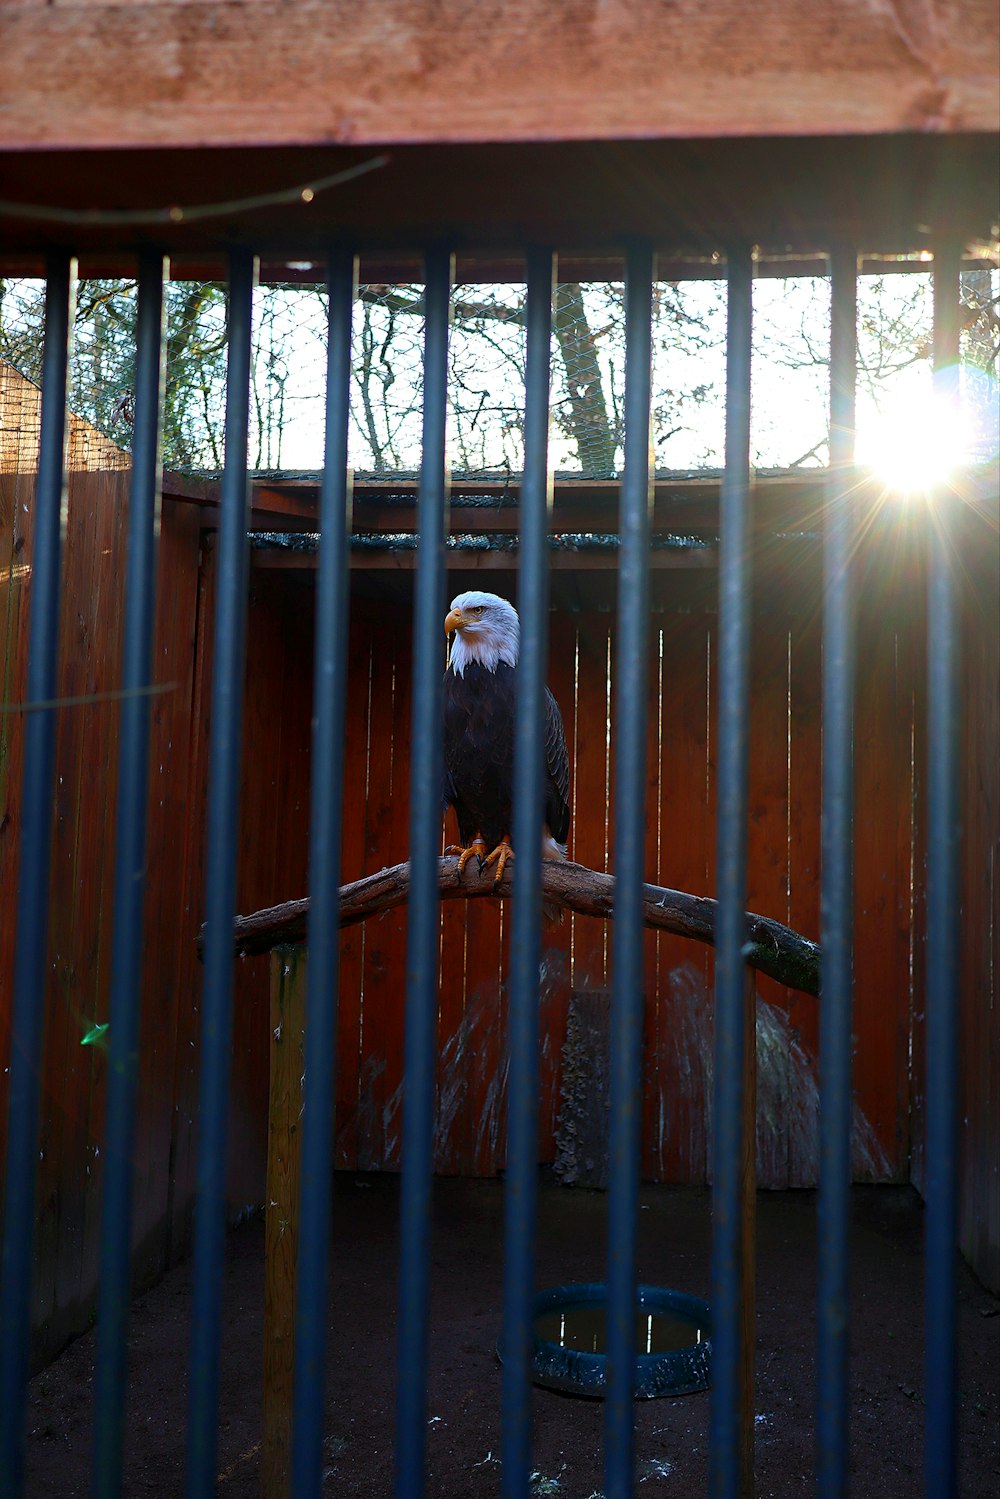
(477, 847)
(500, 856)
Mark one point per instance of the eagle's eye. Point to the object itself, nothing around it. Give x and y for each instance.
(478, 608)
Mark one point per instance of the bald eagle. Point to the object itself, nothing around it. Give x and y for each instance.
(479, 701)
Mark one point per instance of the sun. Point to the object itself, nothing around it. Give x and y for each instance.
(918, 442)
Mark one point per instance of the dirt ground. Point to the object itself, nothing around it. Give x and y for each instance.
(464, 1390)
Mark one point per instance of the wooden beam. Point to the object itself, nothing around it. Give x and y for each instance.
(281, 559)
(136, 74)
(689, 503)
(473, 269)
(686, 504)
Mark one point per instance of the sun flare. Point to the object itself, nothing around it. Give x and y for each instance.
(918, 442)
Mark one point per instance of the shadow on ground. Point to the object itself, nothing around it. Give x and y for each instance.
(463, 1436)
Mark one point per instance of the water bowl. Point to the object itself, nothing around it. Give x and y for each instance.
(673, 1350)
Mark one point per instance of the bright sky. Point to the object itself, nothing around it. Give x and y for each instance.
(900, 426)
(790, 381)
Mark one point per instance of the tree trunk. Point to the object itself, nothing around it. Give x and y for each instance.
(588, 412)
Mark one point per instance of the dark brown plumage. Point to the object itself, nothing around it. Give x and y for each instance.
(479, 702)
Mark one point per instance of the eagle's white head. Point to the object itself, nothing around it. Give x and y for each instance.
(482, 627)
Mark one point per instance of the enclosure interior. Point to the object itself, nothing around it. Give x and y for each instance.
(691, 197)
(680, 848)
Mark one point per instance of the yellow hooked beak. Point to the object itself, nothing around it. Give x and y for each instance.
(454, 621)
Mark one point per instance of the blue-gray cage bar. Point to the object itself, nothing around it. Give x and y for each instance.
(837, 890)
(526, 944)
(16, 1297)
(130, 883)
(426, 782)
(30, 966)
(733, 712)
(326, 822)
(627, 995)
(220, 897)
(943, 747)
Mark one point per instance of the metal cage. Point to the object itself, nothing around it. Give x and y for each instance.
(731, 1294)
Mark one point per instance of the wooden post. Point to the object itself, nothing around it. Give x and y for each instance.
(281, 1214)
(748, 1268)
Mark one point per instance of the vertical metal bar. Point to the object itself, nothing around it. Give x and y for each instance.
(730, 1039)
(837, 890)
(220, 885)
(426, 780)
(526, 945)
(627, 999)
(329, 695)
(130, 882)
(30, 958)
(943, 749)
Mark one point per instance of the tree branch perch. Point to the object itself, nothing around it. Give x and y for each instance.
(771, 948)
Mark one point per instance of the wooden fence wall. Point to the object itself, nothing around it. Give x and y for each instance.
(680, 852)
(73, 1071)
(785, 769)
(784, 847)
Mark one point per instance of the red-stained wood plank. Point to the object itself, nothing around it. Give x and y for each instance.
(189, 971)
(906, 732)
(169, 922)
(913, 641)
(295, 615)
(349, 1014)
(290, 616)
(16, 516)
(259, 839)
(651, 871)
(485, 1039)
(378, 1035)
(395, 848)
(979, 1101)
(59, 1191)
(555, 985)
(680, 1058)
(767, 879)
(882, 900)
(451, 1127)
(274, 833)
(451, 1124)
(592, 790)
(804, 804)
(93, 898)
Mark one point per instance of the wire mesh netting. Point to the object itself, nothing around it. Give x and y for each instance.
(790, 381)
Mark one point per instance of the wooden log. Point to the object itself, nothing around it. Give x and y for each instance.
(281, 1214)
(771, 947)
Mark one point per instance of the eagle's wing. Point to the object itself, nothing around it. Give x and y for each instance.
(556, 771)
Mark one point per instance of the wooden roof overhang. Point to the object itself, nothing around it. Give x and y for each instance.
(791, 197)
(249, 73)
